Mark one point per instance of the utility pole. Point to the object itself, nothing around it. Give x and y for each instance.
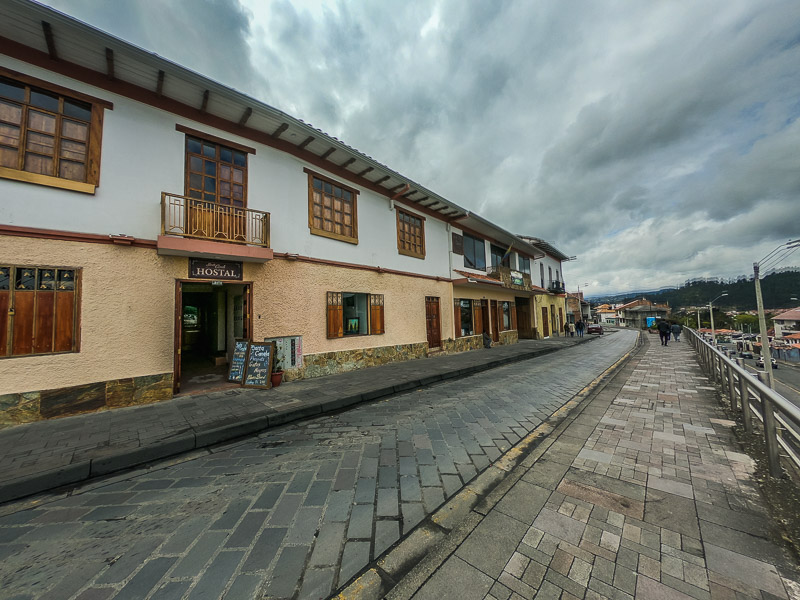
(698, 320)
(766, 353)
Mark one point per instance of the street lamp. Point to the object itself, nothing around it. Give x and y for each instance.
(711, 312)
(766, 353)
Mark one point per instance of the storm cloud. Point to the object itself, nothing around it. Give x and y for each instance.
(656, 141)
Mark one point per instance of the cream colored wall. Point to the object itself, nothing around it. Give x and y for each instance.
(126, 314)
(478, 294)
(290, 298)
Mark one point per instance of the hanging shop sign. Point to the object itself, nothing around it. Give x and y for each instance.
(215, 269)
(516, 278)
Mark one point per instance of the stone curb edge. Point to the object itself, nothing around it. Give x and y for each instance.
(189, 440)
(457, 517)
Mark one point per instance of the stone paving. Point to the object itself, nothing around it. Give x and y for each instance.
(295, 512)
(644, 495)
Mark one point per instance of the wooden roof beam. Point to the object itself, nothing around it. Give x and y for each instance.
(245, 116)
(283, 127)
(160, 83)
(328, 152)
(51, 42)
(306, 142)
(364, 172)
(348, 162)
(110, 63)
(397, 187)
(381, 180)
(204, 105)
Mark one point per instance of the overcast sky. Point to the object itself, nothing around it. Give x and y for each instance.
(656, 141)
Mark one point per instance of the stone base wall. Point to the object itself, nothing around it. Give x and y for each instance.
(509, 337)
(27, 407)
(462, 344)
(328, 363)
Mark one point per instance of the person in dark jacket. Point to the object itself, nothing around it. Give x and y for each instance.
(663, 331)
(676, 331)
(580, 326)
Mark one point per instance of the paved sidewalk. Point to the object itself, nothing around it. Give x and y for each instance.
(47, 454)
(642, 494)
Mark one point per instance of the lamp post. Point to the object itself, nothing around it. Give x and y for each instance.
(766, 353)
(711, 312)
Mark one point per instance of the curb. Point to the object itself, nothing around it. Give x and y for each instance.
(119, 460)
(440, 533)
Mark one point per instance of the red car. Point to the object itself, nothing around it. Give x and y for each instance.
(595, 328)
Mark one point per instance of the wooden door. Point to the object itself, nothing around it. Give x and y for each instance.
(524, 318)
(432, 322)
(545, 323)
(485, 316)
(495, 322)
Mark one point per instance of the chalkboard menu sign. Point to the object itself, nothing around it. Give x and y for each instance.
(259, 365)
(238, 361)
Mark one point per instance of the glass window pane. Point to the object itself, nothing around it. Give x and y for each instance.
(226, 154)
(195, 181)
(210, 168)
(337, 191)
(238, 191)
(73, 150)
(12, 90)
(9, 158)
(195, 194)
(38, 164)
(79, 110)
(347, 195)
(238, 176)
(209, 197)
(75, 171)
(26, 279)
(239, 159)
(45, 101)
(210, 184)
(41, 121)
(9, 135)
(193, 145)
(209, 150)
(37, 142)
(74, 130)
(317, 183)
(224, 188)
(5, 274)
(10, 113)
(47, 279)
(195, 164)
(225, 172)
(328, 188)
(66, 279)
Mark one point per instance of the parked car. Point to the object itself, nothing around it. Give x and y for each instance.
(745, 354)
(760, 362)
(595, 328)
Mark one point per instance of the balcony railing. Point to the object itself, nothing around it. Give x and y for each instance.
(192, 218)
(556, 287)
(504, 274)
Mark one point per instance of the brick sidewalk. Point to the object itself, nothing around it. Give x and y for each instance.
(44, 455)
(643, 495)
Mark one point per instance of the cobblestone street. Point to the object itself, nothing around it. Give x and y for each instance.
(297, 511)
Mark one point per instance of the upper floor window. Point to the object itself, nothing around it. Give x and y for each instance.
(410, 234)
(215, 173)
(541, 273)
(332, 209)
(525, 264)
(500, 257)
(474, 253)
(49, 135)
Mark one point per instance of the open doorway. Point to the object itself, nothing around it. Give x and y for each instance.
(209, 318)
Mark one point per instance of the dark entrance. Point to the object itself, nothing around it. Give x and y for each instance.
(495, 322)
(524, 327)
(207, 321)
(432, 322)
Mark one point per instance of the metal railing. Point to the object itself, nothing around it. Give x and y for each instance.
(503, 274)
(752, 397)
(189, 217)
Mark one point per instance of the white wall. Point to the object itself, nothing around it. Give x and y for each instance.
(143, 155)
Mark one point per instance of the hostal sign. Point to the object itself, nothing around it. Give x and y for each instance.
(215, 269)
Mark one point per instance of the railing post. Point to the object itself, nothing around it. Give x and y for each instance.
(731, 386)
(744, 396)
(770, 433)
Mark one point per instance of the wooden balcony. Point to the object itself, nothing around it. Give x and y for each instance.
(213, 230)
(503, 274)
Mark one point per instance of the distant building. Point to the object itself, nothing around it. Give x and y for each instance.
(635, 313)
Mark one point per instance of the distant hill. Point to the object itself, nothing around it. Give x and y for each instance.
(777, 290)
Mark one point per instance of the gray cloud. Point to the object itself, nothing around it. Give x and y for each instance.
(657, 141)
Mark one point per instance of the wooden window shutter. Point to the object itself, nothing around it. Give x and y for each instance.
(376, 323)
(477, 316)
(513, 315)
(457, 317)
(458, 244)
(335, 310)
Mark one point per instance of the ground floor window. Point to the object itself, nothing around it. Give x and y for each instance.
(354, 313)
(464, 317)
(38, 310)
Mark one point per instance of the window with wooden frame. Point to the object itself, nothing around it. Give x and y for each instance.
(354, 313)
(464, 317)
(39, 308)
(215, 173)
(508, 316)
(525, 264)
(474, 253)
(49, 135)
(410, 234)
(332, 208)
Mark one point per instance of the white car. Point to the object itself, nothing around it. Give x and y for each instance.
(760, 362)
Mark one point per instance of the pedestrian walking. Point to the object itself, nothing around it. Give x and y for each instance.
(676, 331)
(571, 330)
(663, 331)
(580, 326)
